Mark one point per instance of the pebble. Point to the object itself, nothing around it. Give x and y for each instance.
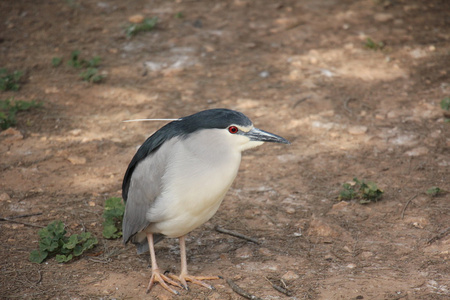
(351, 266)
(290, 210)
(289, 275)
(136, 19)
(4, 197)
(320, 228)
(264, 74)
(11, 135)
(339, 206)
(244, 252)
(383, 17)
(357, 130)
(265, 252)
(77, 160)
(417, 151)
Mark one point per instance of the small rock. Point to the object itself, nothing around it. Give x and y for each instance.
(339, 206)
(320, 228)
(366, 254)
(91, 203)
(351, 266)
(313, 60)
(77, 160)
(290, 210)
(136, 19)
(264, 74)
(4, 197)
(289, 275)
(417, 151)
(417, 53)
(11, 135)
(11, 132)
(265, 251)
(244, 252)
(75, 132)
(383, 17)
(357, 130)
(51, 90)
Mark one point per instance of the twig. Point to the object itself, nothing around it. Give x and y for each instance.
(439, 236)
(20, 216)
(346, 104)
(300, 101)
(240, 291)
(407, 203)
(18, 222)
(236, 234)
(281, 289)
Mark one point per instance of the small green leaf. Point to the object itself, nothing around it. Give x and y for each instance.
(72, 242)
(37, 256)
(73, 61)
(56, 61)
(10, 81)
(113, 215)
(445, 103)
(63, 258)
(434, 191)
(110, 231)
(147, 25)
(364, 191)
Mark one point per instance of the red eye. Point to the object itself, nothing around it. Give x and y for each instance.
(233, 129)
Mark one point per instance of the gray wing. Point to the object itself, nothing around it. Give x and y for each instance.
(142, 184)
(144, 188)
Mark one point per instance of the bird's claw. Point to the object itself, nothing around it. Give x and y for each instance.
(162, 280)
(183, 278)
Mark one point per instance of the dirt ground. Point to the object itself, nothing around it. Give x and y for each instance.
(299, 69)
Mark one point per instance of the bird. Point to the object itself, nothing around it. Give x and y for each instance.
(178, 178)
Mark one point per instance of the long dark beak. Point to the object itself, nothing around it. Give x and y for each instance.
(263, 136)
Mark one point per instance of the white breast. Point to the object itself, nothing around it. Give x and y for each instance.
(194, 184)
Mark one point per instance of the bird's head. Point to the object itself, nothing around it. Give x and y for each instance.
(232, 128)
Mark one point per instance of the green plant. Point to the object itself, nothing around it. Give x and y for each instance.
(179, 15)
(10, 107)
(92, 75)
(371, 44)
(365, 192)
(147, 25)
(9, 81)
(113, 215)
(436, 191)
(74, 59)
(445, 103)
(54, 242)
(56, 61)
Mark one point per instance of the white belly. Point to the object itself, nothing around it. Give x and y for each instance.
(189, 199)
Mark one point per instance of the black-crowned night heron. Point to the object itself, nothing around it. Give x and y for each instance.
(178, 178)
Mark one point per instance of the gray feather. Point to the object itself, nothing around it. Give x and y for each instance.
(144, 188)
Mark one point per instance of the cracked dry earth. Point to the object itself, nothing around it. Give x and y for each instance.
(299, 69)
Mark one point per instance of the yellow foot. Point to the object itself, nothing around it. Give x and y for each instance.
(183, 278)
(162, 280)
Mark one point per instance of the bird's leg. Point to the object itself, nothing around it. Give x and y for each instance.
(157, 276)
(184, 276)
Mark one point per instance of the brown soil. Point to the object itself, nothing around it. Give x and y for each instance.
(296, 68)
